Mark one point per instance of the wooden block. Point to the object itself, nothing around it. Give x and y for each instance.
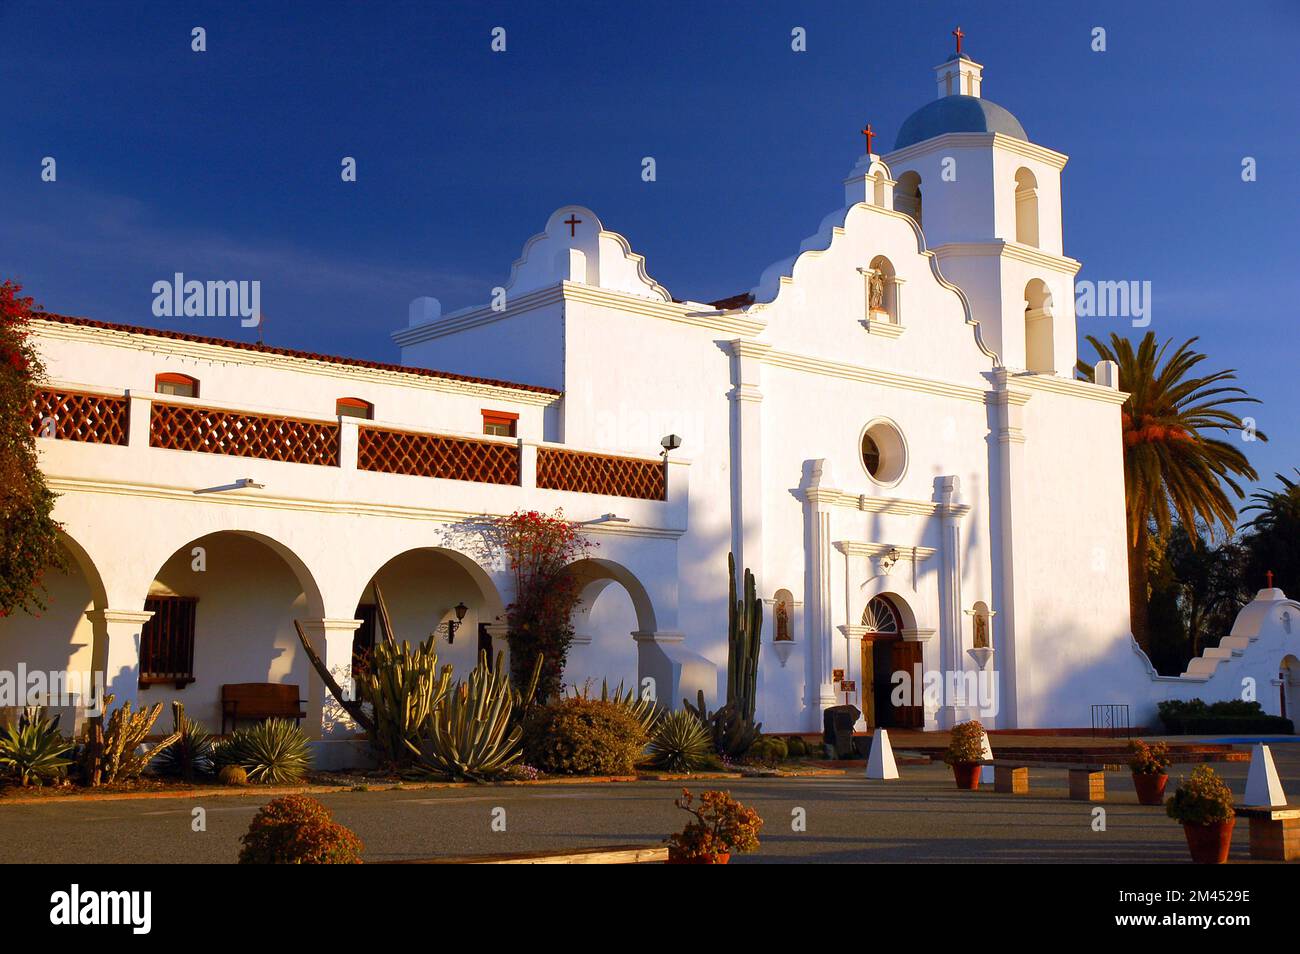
(1275, 840)
(1086, 786)
(1013, 781)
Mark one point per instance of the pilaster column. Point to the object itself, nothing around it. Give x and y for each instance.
(115, 655)
(950, 615)
(527, 464)
(332, 641)
(819, 502)
(349, 438)
(747, 455)
(139, 408)
(1013, 662)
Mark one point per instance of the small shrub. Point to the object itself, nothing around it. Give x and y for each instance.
(797, 747)
(232, 775)
(274, 752)
(966, 744)
(680, 743)
(577, 736)
(298, 830)
(33, 750)
(1148, 759)
(768, 750)
(1225, 717)
(722, 825)
(1203, 799)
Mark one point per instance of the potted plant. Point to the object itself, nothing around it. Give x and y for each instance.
(1150, 765)
(722, 825)
(965, 752)
(1203, 804)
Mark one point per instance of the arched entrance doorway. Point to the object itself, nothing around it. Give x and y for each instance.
(612, 605)
(885, 652)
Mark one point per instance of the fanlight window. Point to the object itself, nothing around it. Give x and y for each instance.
(880, 617)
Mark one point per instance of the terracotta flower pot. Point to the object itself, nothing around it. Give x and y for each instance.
(966, 774)
(1150, 788)
(1210, 843)
(708, 858)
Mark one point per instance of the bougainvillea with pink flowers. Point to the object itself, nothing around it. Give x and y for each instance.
(28, 532)
(538, 549)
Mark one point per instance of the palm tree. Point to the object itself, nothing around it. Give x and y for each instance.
(1273, 536)
(1173, 461)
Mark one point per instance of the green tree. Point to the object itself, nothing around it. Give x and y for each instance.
(1176, 462)
(29, 543)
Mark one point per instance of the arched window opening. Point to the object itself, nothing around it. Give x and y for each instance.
(354, 407)
(1026, 208)
(1038, 328)
(881, 617)
(907, 195)
(181, 385)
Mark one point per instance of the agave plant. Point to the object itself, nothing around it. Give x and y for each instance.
(645, 711)
(680, 743)
(33, 750)
(473, 734)
(275, 752)
(404, 688)
(190, 754)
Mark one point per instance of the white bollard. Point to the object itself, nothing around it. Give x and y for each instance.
(880, 761)
(986, 754)
(1263, 787)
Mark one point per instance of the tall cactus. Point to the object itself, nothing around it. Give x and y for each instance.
(744, 630)
(733, 726)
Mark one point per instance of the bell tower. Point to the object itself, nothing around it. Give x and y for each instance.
(988, 202)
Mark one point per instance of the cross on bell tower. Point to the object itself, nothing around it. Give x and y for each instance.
(870, 136)
(958, 34)
(959, 75)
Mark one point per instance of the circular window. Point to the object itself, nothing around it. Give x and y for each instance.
(884, 454)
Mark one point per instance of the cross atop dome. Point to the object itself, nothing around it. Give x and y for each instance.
(959, 75)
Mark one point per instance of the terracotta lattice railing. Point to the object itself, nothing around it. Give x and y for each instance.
(437, 455)
(588, 473)
(77, 416)
(211, 431)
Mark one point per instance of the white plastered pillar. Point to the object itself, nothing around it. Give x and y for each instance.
(332, 641)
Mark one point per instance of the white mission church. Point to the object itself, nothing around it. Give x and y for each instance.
(885, 428)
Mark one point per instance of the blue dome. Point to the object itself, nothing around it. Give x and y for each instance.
(957, 114)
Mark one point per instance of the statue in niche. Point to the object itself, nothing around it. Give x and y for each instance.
(875, 291)
(981, 631)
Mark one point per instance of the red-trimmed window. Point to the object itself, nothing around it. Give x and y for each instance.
(354, 407)
(181, 385)
(500, 423)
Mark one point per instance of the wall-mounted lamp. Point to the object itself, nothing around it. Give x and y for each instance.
(454, 624)
(669, 443)
(243, 483)
(888, 559)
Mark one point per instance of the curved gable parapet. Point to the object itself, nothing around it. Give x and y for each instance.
(1267, 607)
(576, 247)
(782, 274)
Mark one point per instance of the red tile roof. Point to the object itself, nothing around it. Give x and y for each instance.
(743, 300)
(288, 352)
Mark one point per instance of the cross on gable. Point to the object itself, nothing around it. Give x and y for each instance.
(1269, 574)
(870, 136)
(572, 222)
(958, 34)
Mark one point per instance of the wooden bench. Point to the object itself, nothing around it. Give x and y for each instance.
(603, 855)
(1274, 832)
(1087, 782)
(260, 700)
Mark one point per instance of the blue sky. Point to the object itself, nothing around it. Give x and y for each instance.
(226, 164)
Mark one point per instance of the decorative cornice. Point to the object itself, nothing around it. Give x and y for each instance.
(259, 500)
(203, 351)
(885, 328)
(853, 372)
(857, 548)
(478, 315)
(1013, 250)
(909, 635)
(885, 505)
(119, 616)
(1071, 387)
(958, 140)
